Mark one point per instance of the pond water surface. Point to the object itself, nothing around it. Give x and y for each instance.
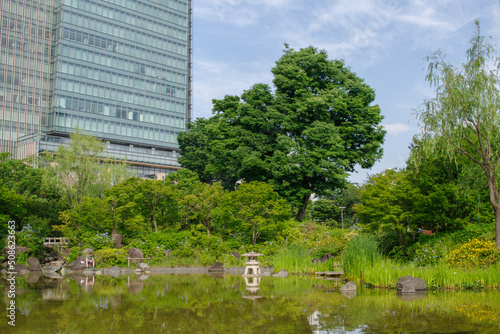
(231, 304)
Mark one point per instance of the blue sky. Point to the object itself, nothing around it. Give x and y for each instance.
(237, 42)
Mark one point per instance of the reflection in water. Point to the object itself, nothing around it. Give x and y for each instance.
(252, 285)
(205, 304)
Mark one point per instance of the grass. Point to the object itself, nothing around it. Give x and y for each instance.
(386, 274)
(296, 260)
(361, 253)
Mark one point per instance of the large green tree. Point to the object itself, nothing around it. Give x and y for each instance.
(303, 137)
(464, 115)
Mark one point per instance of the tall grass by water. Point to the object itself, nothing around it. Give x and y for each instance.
(363, 262)
(386, 274)
(361, 253)
(296, 260)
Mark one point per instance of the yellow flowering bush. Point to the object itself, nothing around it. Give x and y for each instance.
(474, 253)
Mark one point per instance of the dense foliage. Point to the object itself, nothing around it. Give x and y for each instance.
(252, 169)
(302, 138)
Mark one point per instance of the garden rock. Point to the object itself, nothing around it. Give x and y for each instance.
(266, 273)
(113, 271)
(236, 255)
(17, 249)
(283, 274)
(56, 263)
(56, 256)
(20, 267)
(409, 284)
(51, 274)
(34, 264)
(88, 272)
(410, 297)
(349, 294)
(33, 277)
(168, 252)
(78, 264)
(142, 266)
(217, 266)
(135, 253)
(51, 268)
(117, 238)
(349, 286)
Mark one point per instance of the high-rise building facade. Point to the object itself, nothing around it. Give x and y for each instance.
(117, 69)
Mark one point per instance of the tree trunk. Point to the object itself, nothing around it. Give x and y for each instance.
(254, 239)
(301, 213)
(494, 200)
(497, 225)
(154, 220)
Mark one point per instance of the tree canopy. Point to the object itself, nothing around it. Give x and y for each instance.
(302, 138)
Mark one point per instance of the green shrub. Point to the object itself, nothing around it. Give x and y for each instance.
(427, 253)
(74, 254)
(96, 241)
(473, 231)
(30, 237)
(110, 256)
(474, 253)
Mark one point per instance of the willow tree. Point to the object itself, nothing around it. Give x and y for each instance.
(464, 116)
(80, 168)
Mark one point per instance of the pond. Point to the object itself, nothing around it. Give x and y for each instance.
(229, 304)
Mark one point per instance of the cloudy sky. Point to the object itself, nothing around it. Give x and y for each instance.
(236, 43)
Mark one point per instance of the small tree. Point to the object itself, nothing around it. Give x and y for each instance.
(201, 204)
(387, 204)
(257, 207)
(80, 169)
(464, 115)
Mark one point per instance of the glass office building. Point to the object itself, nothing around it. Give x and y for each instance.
(117, 69)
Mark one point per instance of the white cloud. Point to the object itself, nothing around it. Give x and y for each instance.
(396, 129)
(214, 80)
(240, 13)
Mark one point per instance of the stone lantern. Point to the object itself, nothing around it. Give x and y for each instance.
(252, 269)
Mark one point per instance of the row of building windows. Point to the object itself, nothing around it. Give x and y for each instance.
(127, 19)
(15, 129)
(106, 127)
(180, 5)
(117, 46)
(97, 91)
(41, 12)
(151, 86)
(134, 51)
(159, 12)
(16, 23)
(119, 63)
(118, 95)
(120, 111)
(128, 64)
(30, 49)
(25, 98)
